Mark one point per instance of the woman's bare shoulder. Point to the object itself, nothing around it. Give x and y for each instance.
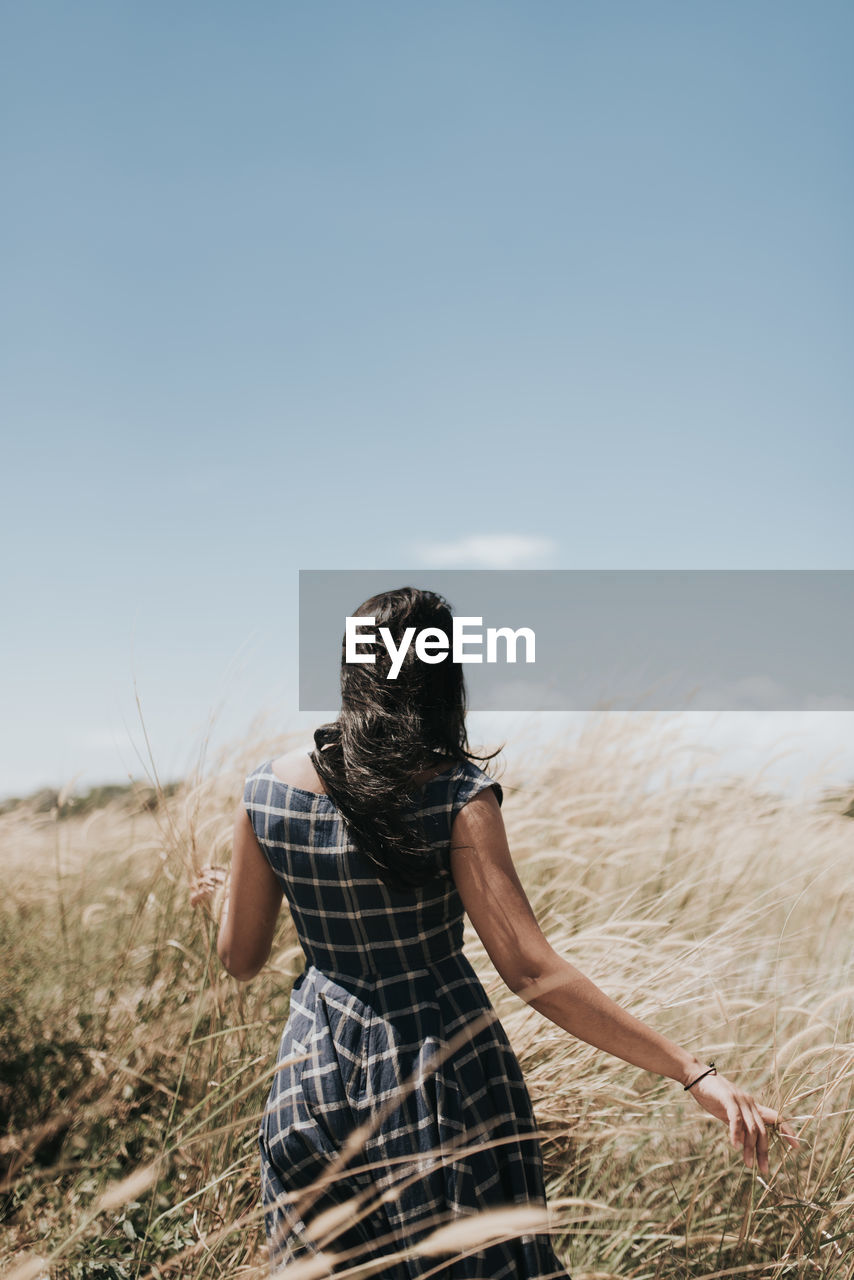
(295, 768)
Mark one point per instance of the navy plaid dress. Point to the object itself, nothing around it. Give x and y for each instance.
(392, 1043)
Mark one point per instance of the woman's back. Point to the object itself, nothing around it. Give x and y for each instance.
(347, 919)
(389, 1029)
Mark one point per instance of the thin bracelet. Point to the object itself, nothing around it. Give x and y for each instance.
(711, 1071)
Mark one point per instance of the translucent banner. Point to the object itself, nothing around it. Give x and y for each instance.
(580, 640)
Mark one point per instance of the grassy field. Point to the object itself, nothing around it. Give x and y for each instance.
(134, 1069)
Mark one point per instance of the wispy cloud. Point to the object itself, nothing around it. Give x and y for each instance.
(488, 551)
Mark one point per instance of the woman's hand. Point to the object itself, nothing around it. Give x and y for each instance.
(206, 884)
(748, 1121)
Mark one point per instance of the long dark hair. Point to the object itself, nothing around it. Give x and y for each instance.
(389, 731)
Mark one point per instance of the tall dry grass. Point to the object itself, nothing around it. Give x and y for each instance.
(134, 1069)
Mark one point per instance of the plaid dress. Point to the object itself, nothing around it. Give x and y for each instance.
(396, 1090)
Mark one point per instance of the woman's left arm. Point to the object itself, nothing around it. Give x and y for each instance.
(251, 907)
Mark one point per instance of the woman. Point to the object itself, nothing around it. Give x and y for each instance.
(397, 1094)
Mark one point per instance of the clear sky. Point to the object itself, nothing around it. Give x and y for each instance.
(354, 285)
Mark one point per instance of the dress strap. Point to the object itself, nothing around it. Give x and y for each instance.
(472, 781)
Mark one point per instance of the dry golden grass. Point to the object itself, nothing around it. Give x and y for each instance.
(135, 1069)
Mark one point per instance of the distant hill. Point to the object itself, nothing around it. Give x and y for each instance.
(131, 795)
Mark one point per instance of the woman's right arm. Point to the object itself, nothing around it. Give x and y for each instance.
(498, 907)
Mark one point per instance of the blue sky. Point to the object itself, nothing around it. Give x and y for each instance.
(355, 285)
